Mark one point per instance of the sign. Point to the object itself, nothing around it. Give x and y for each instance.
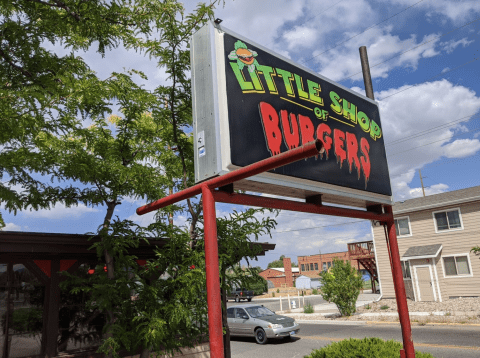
(250, 104)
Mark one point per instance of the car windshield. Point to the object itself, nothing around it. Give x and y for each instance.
(259, 311)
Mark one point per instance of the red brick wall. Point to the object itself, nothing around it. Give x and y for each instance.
(320, 260)
(287, 264)
(276, 277)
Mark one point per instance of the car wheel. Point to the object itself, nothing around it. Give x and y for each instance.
(260, 336)
(249, 300)
(237, 299)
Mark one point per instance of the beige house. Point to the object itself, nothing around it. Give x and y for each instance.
(435, 235)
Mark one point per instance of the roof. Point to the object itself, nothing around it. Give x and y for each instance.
(281, 269)
(437, 200)
(422, 252)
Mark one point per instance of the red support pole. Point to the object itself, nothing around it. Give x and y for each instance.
(397, 273)
(308, 150)
(282, 204)
(215, 327)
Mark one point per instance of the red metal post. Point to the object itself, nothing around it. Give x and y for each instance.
(273, 203)
(308, 150)
(409, 350)
(215, 328)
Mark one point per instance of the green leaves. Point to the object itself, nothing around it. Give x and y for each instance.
(341, 285)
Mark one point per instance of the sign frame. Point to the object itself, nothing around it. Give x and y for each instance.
(212, 131)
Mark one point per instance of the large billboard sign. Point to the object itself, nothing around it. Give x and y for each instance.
(251, 103)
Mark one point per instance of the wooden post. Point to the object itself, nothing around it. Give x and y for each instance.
(53, 311)
(9, 311)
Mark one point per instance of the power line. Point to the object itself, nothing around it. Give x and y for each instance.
(428, 79)
(341, 43)
(439, 140)
(433, 129)
(415, 47)
(324, 11)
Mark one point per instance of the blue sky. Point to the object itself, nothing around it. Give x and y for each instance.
(424, 58)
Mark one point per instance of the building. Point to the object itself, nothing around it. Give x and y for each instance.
(281, 277)
(305, 282)
(312, 265)
(435, 235)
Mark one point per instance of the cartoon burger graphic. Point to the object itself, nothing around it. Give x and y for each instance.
(244, 56)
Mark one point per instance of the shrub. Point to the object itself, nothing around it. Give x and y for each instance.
(314, 292)
(273, 294)
(384, 307)
(363, 348)
(308, 308)
(341, 285)
(25, 320)
(278, 290)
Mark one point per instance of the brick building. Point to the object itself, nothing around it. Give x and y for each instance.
(312, 265)
(284, 276)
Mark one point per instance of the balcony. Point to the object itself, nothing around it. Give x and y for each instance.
(361, 250)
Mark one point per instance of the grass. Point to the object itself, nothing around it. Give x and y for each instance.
(384, 307)
(367, 307)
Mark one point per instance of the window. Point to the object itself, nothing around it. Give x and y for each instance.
(457, 265)
(240, 313)
(303, 267)
(447, 220)
(402, 226)
(329, 264)
(316, 267)
(324, 266)
(230, 313)
(306, 267)
(406, 270)
(311, 267)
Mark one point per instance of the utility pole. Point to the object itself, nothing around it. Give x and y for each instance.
(421, 181)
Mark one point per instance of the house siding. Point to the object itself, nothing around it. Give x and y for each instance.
(453, 242)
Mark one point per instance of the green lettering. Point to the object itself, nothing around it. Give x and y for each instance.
(335, 102)
(268, 73)
(314, 91)
(301, 91)
(244, 85)
(256, 82)
(350, 111)
(363, 121)
(287, 80)
(375, 131)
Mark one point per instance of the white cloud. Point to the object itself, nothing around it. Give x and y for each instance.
(11, 227)
(456, 11)
(451, 45)
(300, 36)
(446, 69)
(412, 115)
(461, 148)
(59, 211)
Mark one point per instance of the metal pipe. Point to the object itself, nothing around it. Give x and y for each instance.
(367, 78)
(214, 303)
(306, 151)
(273, 203)
(399, 285)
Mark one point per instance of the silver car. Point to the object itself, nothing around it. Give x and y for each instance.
(258, 321)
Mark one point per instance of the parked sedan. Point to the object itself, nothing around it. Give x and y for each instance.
(259, 322)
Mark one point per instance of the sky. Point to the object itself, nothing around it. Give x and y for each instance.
(424, 63)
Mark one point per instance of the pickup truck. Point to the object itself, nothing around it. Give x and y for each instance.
(238, 294)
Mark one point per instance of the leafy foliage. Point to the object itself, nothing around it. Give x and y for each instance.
(363, 348)
(341, 285)
(24, 320)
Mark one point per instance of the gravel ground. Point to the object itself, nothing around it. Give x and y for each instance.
(464, 310)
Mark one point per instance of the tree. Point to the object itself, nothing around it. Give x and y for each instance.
(62, 143)
(341, 285)
(279, 263)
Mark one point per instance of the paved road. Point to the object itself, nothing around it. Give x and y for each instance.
(274, 304)
(440, 341)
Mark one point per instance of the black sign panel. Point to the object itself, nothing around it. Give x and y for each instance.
(274, 106)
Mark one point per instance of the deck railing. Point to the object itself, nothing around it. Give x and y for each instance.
(364, 248)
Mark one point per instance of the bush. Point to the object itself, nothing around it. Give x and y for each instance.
(278, 290)
(341, 285)
(314, 292)
(308, 308)
(25, 320)
(273, 294)
(363, 348)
